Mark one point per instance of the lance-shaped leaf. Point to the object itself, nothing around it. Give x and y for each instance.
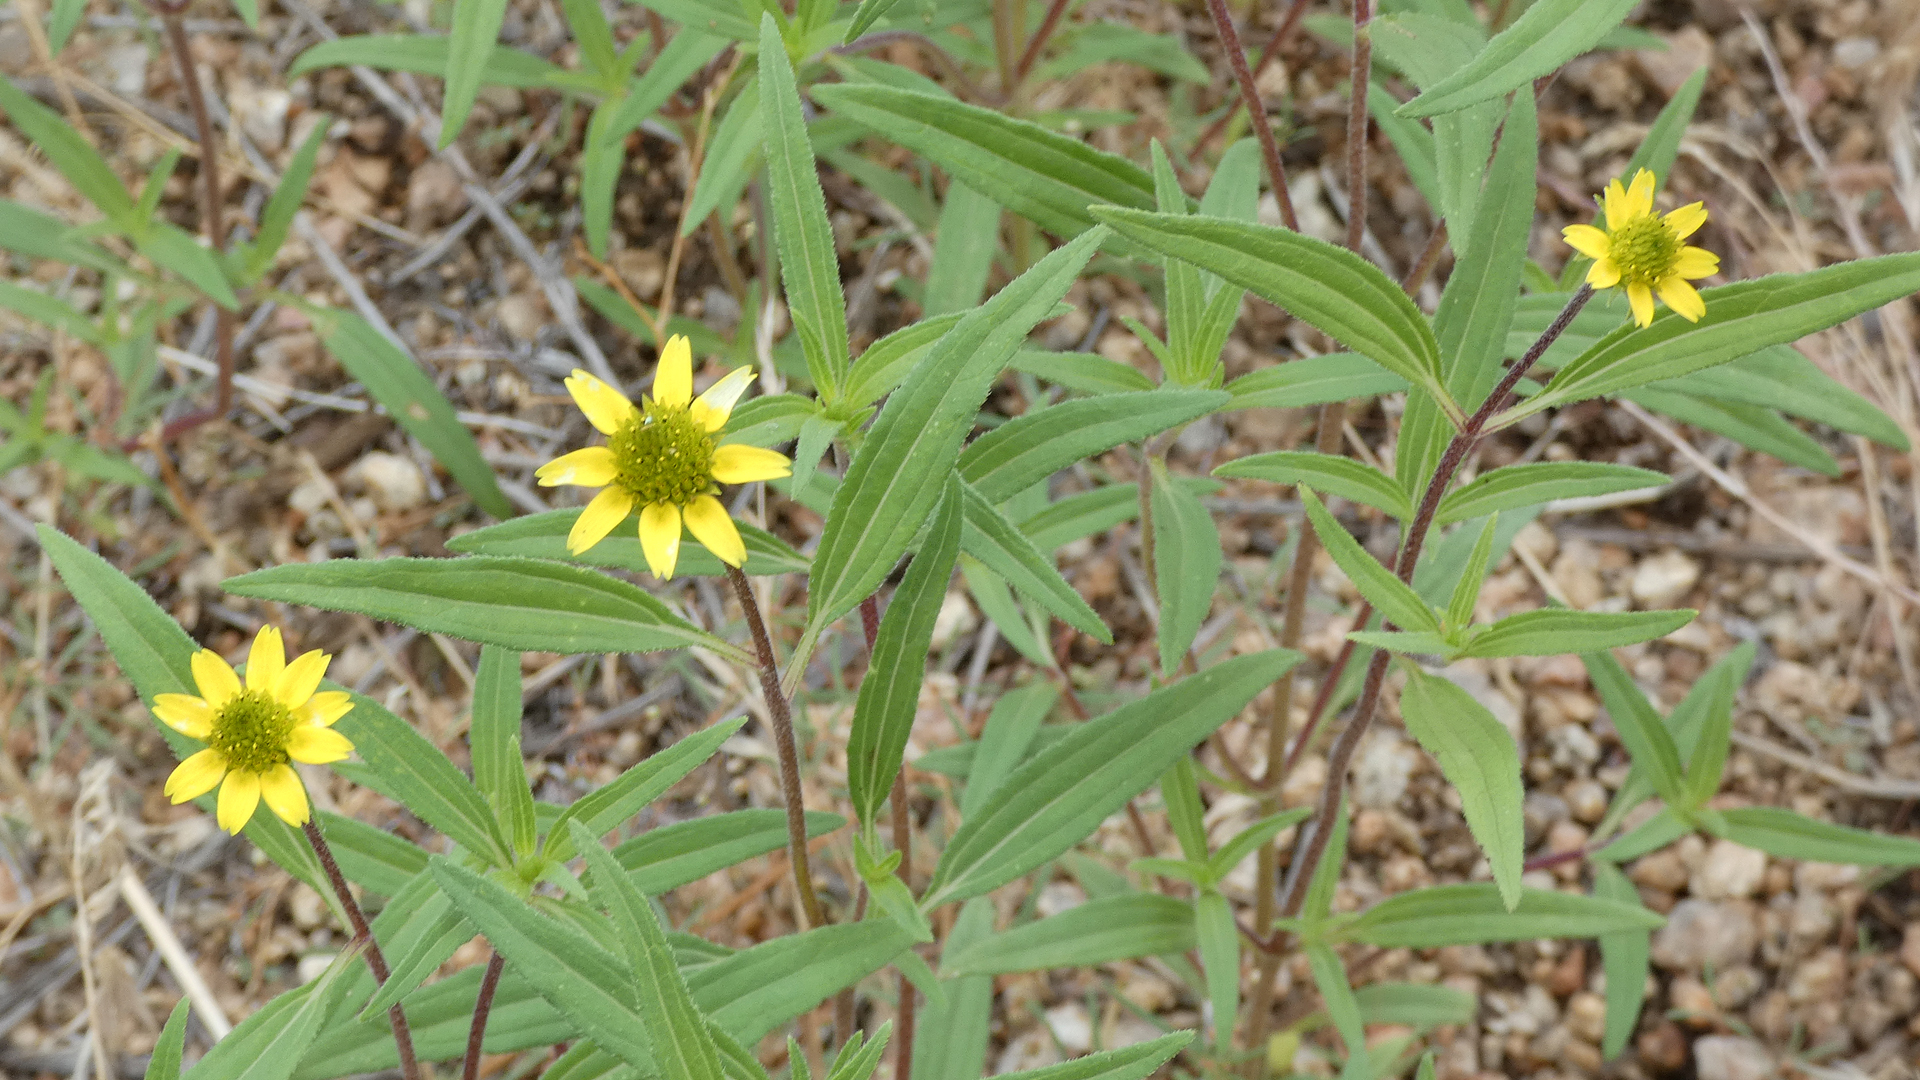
(878, 370)
(1330, 473)
(1218, 941)
(1027, 449)
(951, 1042)
(1517, 486)
(889, 490)
(499, 769)
(1646, 738)
(1329, 287)
(602, 810)
(673, 855)
(426, 54)
(1186, 564)
(1779, 377)
(1313, 380)
(1330, 975)
(987, 535)
(1478, 758)
(1548, 34)
(400, 763)
(1550, 631)
(76, 160)
(164, 1063)
(1787, 835)
(1134, 1062)
(1125, 927)
(1625, 957)
(1741, 318)
(1474, 914)
(808, 264)
(1062, 794)
(523, 604)
(756, 990)
(1046, 177)
(1388, 594)
(544, 536)
(890, 692)
(476, 27)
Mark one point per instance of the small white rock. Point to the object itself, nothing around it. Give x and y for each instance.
(956, 618)
(1661, 580)
(1729, 871)
(1382, 769)
(1729, 1057)
(393, 482)
(1059, 896)
(1071, 1026)
(314, 965)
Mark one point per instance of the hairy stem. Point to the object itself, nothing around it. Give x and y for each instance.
(482, 1006)
(1272, 49)
(903, 843)
(1034, 45)
(1256, 110)
(782, 716)
(376, 960)
(1357, 120)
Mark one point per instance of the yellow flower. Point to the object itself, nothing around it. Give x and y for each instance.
(253, 731)
(1645, 251)
(661, 458)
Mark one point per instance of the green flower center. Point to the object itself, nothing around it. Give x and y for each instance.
(1645, 250)
(251, 731)
(663, 456)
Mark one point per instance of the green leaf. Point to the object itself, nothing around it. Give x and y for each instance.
(1048, 178)
(756, 990)
(83, 166)
(372, 858)
(593, 37)
(171, 249)
(1625, 957)
(61, 22)
(412, 399)
(887, 361)
(1477, 756)
(674, 855)
(1411, 141)
(951, 1042)
(716, 16)
(1647, 740)
(1787, 835)
(1010, 730)
(293, 1034)
(440, 1015)
(1517, 486)
(681, 1045)
(858, 1060)
(153, 653)
(1330, 473)
(808, 264)
(499, 768)
(1708, 760)
(864, 17)
(1028, 449)
(287, 198)
(1428, 47)
(523, 604)
(963, 248)
(1779, 377)
(428, 54)
(1549, 631)
(1548, 34)
(54, 313)
(1313, 380)
(544, 536)
(1234, 851)
(476, 28)
(1749, 425)
(156, 184)
(734, 154)
(995, 600)
(1062, 794)
(1327, 286)
(890, 692)
(1102, 42)
(1741, 318)
(1466, 591)
(1330, 975)
(414, 960)
(886, 496)
(164, 1064)
(43, 236)
(1392, 597)
(1186, 564)
(1135, 1062)
(603, 809)
(1218, 939)
(414, 773)
(987, 535)
(1474, 914)
(1180, 791)
(1088, 373)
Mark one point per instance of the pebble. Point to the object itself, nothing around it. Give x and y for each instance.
(1703, 932)
(1587, 1016)
(1304, 783)
(1071, 1026)
(955, 620)
(1661, 870)
(1855, 52)
(1383, 769)
(1033, 1050)
(393, 482)
(1059, 896)
(1730, 1057)
(1687, 51)
(314, 965)
(1735, 986)
(434, 195)
(1910, 948)
(1660, 581)
(1693, 1003)
(522, 315)
(308, 909)
(1821, 977)
(1729, 871)
(1662, 1048)
(1586, 799)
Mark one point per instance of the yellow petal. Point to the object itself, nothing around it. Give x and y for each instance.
(736, 464)
(1640, 298)
(215, 677)
(239, 797)
(301, 678)
(711, 409)
(1687, 220)
(1695, 263)
(266, 660)
(185, 714)
(196, 776)
(285, 795)
(1616, 206)
(660, 538)
(607, 510)
(317, 745)
(1586, 240)
(673, 379)
(606, 408)
(1683, 298)
(1605, 274)
(707, 520)
(327, 707)
(1640, 194)
(589, 467)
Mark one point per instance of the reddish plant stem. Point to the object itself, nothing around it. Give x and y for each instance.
(1272, 49)
(903, 843)
(782, 716)
(845, 1007)
(1034, 45)
(1256, 110)
(1340, 757)
(482, 1007)
(1429, 258)
(376, 960)
(1357, 124)
(210, 206)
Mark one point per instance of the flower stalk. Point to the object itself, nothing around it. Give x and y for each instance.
(363, 934)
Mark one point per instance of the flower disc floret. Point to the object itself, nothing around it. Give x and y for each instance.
(662, 455)
(251, 731)
(1644, 253)
(1645, 250)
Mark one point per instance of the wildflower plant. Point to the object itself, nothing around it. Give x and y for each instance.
(580, 953)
